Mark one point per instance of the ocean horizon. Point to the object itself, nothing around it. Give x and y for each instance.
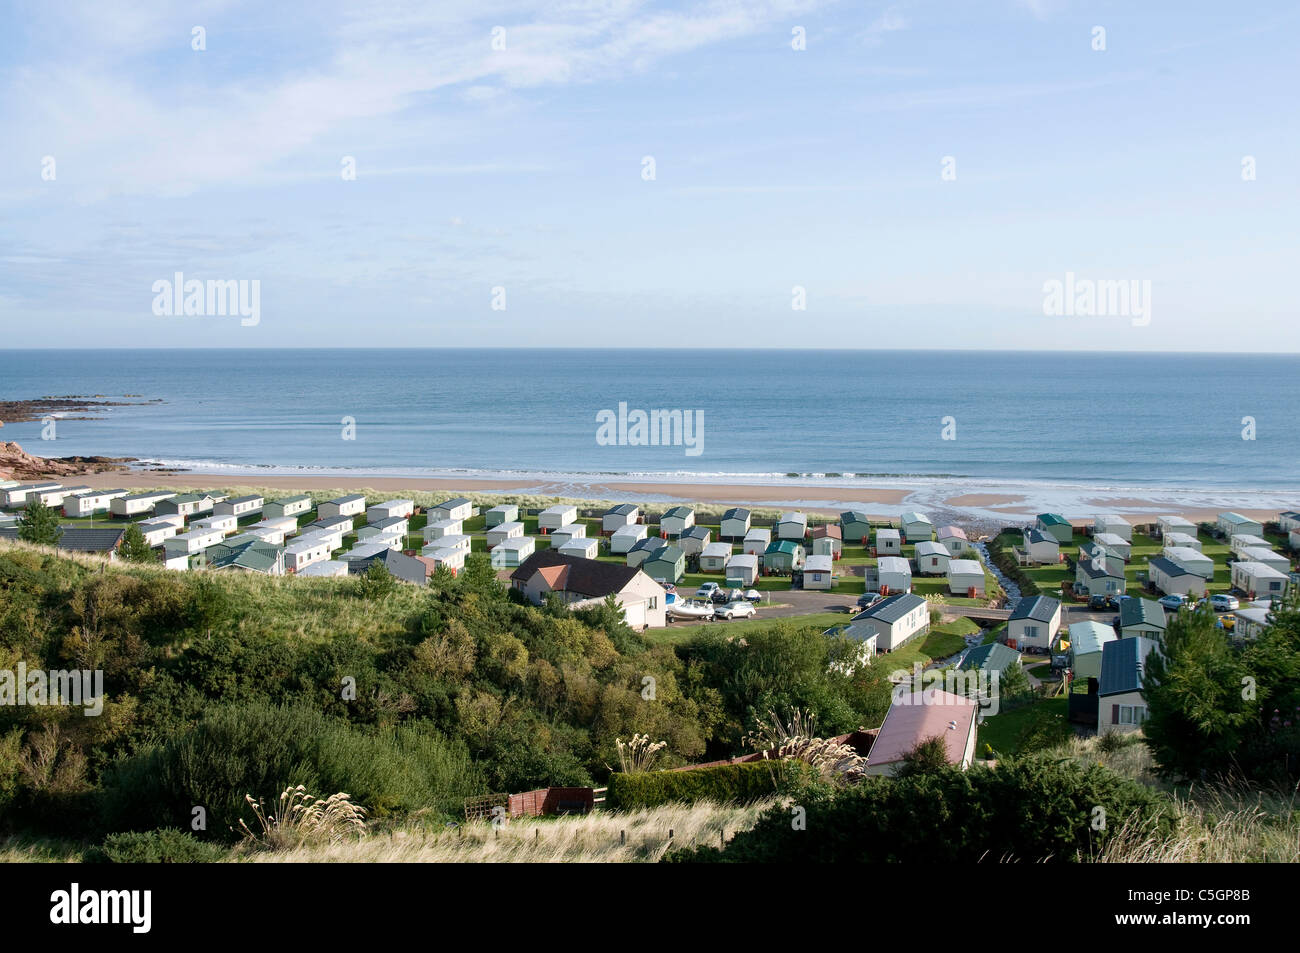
(1112, 421)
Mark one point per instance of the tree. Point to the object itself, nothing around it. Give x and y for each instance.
(1198, 713)
(39, 524)
(377, 582)
(135, 548)
(209, 605)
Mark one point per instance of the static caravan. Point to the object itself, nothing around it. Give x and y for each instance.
(1113, 542)
(1120, 704)
(826, 540)
(1034, 623)
(894, 574)
(932, 558)
(625, 537)
(1056, 526)
(390, 528)
(1293, 538)
(1116, 525)
(333, 536)
(1099, 575)
(88, 504)
(966, 577)
(855, 527)
(1142, 617)
(286, 525)
(625, 514)
(581, 546)
(714, 557)
(367, 550)
(1172, 579)
(1175, 524)
(567, 532)
(308, 549)
(293, 506)
(341, 525)
(1244, 541)
(512, 551)
(185, 504)
(390, 509)
(792, 525)
(241, 506)
(504, 513)
(195, 541)
(1042, 548)
(440, 528)
(1268, 557)
(735, 523)
(352, 505)
(892, 621)
(1181, 540)
(443, 557)
(16, 496)
(1087, 639)
(1230, 524)
(756, 541)
(1288, 521)
(677, 520)
(916, 527)
(457, 509)
(889, 542)
(503, 531)
(665, 566)
(326, 568)
(1259, 581)
(1251, 622)
(1192, 560)
(157, 530)
(694, 540)
(267, 534)
(817, 572)
(137, 504)
(55, 498)
(463, 543)
(553, 517)
(953, 539)
(742, 566)
(783, 556)
(217, 524)
(643, 550)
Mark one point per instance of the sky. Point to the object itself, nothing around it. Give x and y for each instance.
(605, 173)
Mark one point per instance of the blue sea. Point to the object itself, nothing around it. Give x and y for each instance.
(872, 417)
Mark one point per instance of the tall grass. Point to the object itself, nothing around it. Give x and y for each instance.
(639, 836)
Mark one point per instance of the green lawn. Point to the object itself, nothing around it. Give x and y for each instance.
(1002, 732)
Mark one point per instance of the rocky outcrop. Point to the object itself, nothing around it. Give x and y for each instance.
(17, 464)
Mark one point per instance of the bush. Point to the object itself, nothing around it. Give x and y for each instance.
(1027, 809)
(259, 750)
(724, 784)
(1001, 556)
(165, 846)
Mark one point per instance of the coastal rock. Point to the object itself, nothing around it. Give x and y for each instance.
(17, 464)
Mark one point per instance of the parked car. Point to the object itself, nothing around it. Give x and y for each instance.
(720, 597)
(868, 599)
(1174, 602)
(706, 590)
(1222, 602)
(735, 610)
(1100, 602)
(753, 595)
(1227, 621)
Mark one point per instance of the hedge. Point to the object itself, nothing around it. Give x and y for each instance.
(1000, 554)
(727, 783)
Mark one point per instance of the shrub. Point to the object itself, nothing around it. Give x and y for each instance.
(164, 846)
(1025, 809)
(723, 784)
